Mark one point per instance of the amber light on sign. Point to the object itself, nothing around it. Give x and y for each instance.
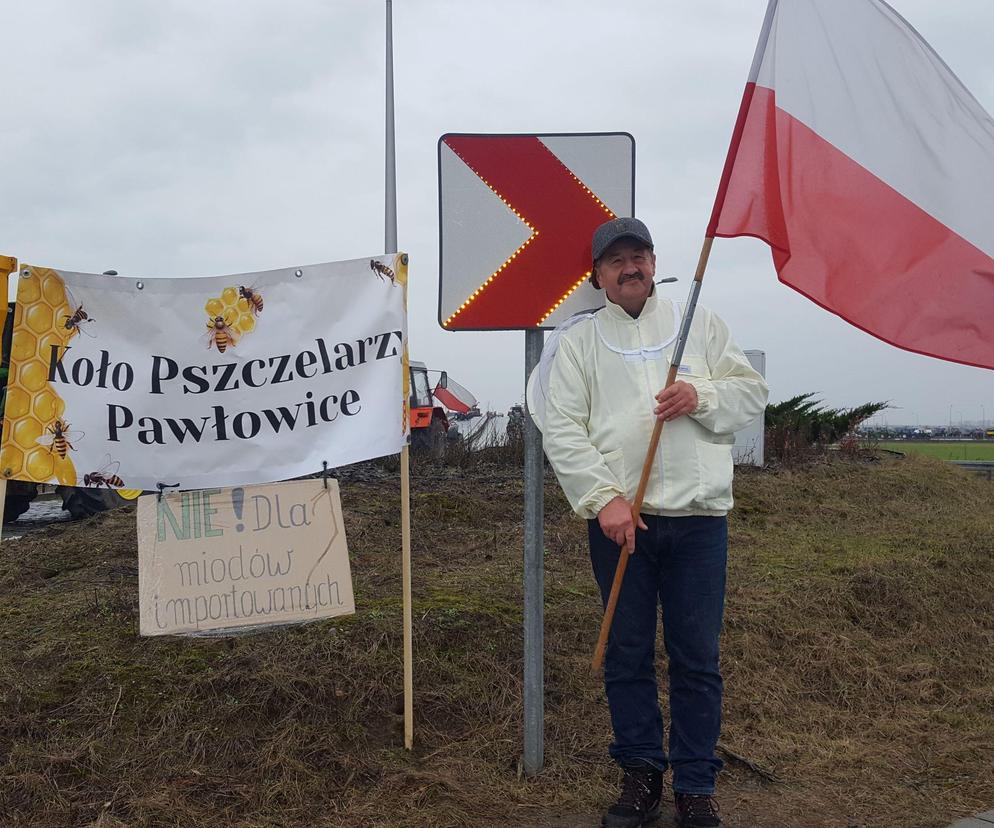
(493, 275)
(565, 296)
(506, 262)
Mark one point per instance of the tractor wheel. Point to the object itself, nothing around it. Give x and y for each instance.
(419, 439)
(19, 497)
(82, 502)
(436, 440)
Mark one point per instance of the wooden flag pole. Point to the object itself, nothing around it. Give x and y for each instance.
(619, 572)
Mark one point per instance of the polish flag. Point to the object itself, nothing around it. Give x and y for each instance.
(868, 167)
(454, 397)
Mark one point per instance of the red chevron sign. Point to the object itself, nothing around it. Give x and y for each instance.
(517, 214)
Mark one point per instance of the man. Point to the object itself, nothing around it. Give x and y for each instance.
(602, 400)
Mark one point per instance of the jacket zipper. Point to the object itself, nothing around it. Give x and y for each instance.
(651, 397)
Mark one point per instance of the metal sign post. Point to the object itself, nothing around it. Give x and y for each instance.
(534, 577)
(390, 238)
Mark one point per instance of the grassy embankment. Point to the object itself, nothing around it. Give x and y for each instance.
(858, 653)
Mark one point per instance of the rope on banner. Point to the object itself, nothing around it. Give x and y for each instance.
(163, 486)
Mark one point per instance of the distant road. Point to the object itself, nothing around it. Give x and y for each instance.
(983, 468)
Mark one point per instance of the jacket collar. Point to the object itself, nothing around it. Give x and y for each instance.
(619, 314)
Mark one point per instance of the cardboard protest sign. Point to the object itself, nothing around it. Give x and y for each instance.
(205, 382)
(223, 559)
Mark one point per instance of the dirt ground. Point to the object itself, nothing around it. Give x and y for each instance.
(858, 657)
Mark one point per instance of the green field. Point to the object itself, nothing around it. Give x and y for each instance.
(945, 449)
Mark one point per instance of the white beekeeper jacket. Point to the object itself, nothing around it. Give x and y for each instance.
(598, 416)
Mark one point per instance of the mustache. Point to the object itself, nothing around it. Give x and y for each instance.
(625, 277)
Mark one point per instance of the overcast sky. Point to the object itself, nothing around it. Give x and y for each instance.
(203, 138)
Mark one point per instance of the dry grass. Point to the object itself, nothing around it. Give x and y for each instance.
(859, 665)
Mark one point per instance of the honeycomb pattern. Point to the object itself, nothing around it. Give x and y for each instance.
(234, 309)
(32, 404)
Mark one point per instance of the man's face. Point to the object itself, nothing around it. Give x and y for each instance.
(625, 271)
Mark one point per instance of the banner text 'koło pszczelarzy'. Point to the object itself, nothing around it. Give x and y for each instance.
(207, 381)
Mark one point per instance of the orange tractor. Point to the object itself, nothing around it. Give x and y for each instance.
(429, 421)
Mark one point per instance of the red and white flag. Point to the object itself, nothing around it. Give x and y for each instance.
(454, 397)
(868, 167)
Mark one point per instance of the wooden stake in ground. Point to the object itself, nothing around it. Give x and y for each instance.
(405, 530)
(619, 572)
(3, 499)
(7, 266)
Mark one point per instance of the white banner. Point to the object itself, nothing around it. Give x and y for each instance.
(204, 382)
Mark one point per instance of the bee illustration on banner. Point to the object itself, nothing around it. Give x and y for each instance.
(106, 475)
(232, 314)
(382, 271)
(220, 333)
(79, 320)
(253, 297)
(59, 438)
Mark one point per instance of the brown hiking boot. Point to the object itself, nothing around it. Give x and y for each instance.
(696, 811)
(641, 790)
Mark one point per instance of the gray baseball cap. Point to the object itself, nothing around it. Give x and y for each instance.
(610, 231)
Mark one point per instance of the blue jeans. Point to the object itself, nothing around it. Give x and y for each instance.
(679, 563)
